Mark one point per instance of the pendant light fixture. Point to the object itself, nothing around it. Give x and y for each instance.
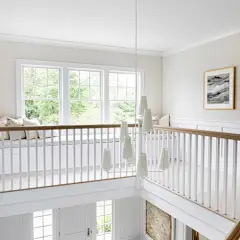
(147, 121)
(127, 148)
(142, 105)
(123, 130)
(107, 162)
(132, 160)
(164, 161)
(142, 168)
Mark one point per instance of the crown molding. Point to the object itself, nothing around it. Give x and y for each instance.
(173, 51)
(79, 45)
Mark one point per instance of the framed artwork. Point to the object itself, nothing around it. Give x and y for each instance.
(158, 223)
(219, 89)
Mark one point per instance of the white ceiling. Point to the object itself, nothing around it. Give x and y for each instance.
(163, 25)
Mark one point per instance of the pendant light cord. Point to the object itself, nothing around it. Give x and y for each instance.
(136, 74)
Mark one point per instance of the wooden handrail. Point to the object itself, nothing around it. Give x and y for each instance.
(230, 136)
(235, 233)
(61, 127)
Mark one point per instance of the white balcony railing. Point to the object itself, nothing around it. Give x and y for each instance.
(202, 166)
(63, 155)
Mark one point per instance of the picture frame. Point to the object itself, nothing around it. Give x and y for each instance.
(219, 89)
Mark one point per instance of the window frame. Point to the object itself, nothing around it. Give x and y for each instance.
(104, 214)
(64, 99)
(42, 226)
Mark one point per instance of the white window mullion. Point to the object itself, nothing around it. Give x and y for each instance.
(105, 98)
(64, 97)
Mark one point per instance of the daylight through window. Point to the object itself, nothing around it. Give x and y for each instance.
(43, 225)
(56, 94)
(104, 220)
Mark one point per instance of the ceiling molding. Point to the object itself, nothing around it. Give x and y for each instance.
(79, 45)
(182, 49)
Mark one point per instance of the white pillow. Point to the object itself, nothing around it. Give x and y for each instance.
(32, 122)
(15, 135)
(3, 123)
(164, 121)
(47, 134)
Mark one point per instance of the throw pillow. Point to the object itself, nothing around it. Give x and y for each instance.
(164, 121)
(32, 122)
(3, 123)
(15, 135)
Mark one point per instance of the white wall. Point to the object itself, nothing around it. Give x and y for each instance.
(16, 227)
(183, 79)
(126, 222)
(11, 51)
(128, 219)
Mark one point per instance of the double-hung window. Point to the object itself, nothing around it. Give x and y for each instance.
(64, 93)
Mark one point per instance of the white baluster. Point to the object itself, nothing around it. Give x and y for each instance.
(3, 163)
(74, 155)
(114, 152)
(94, 154)
(134, 146)
(110, 150)
(189, 165)
(88, 155)
(234, 180)
(196, 168)
(151, 150)
(163, 146)
(67, 180)
(202, 168)
(168, 170)
(20, 162)
(159, 147)
(81, 155)
(225, 175)
(178, 161)
(52, 158)
(209, 178)
(36, 151)
(60, 155)
(44, 158)
(28, 163)
(184, 163)
(101, 150)
(120, 157)
(217, 173)
(173, 159)
(11, 159)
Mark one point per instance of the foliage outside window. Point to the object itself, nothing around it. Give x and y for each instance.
(85, 96)
(41, 91)
(89, 98)
(104, 220)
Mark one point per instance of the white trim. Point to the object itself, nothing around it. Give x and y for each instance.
(173, 51)
(78, 45)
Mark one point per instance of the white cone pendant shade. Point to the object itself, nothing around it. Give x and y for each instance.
(143, 105)
(123, 130)
(132, 160)
(107, 162)
(147, 121)
(127, 148)
(164, 162)
(142, 168)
